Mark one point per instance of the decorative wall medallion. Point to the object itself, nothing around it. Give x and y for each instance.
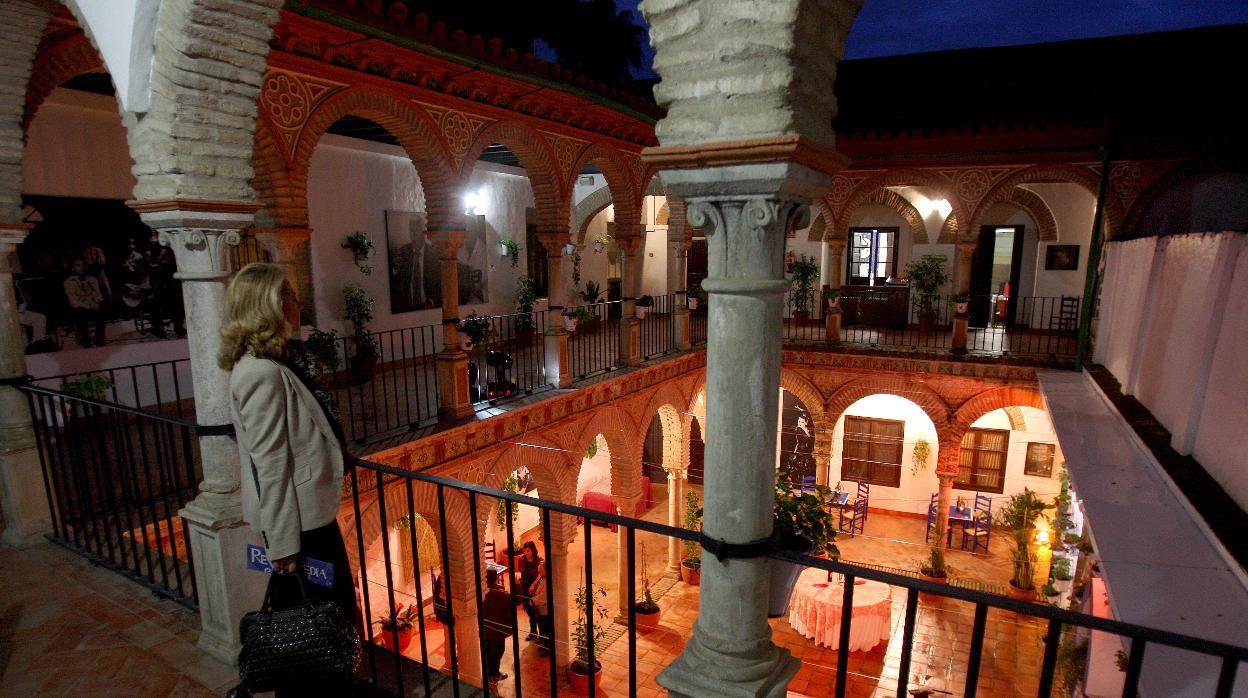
(567, 150)
(287, 100)
(458, 129)
(1127, 180)
(841, 188)
(973, 184)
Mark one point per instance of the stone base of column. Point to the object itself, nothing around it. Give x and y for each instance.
(558, 363)
(468, 642)
(959, 334)
(454, 402)
(218, 538)
(680, 327)
(690, 676)
(22, 497)
(832, 326)
(630, 341)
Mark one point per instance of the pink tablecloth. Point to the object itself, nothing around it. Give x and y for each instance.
(815, 611)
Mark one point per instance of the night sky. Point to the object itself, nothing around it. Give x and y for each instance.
(893, 27)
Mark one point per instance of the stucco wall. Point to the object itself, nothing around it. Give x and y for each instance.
(76, 146)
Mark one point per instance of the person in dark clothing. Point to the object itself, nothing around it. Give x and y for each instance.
(530, 562)
(496, 611)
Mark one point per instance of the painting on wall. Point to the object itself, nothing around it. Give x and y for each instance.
(92, 275)
(416, 271)
(1062, 258)
(797, 440)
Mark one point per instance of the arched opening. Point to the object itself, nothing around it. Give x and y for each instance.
(874, 442)
(1002, 455)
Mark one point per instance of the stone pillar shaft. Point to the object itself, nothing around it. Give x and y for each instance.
(677, 261)
(675, 515)
(630, 328)
(454, 401)
(835, 252)
(962, 271)
(558, 363)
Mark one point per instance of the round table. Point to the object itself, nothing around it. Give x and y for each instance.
(815, 610)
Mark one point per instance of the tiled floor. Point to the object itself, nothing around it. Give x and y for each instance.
(68, 628)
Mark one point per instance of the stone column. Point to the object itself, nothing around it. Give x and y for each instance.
(962, 271)
(629, 242)
(467, 634)
(558, 364)
(675, 513)
(625, 507)
(565, 588)
(948, 456)
(454, 402)
(23, 498)
(288, 248)
(960, 324)
(731, 649)
(199, 233)
(677, 259)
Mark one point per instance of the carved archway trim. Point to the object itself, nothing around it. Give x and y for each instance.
(1062, 174)
(896, 202)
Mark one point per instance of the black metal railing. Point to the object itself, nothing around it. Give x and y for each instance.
(161, 386)
(656, 333)
(697, 324)
(393, 385)
(892, 319)
(594, 347)
(115, 478)
(512, 362)
(1023, 326)
(803, 318)
(395, 490)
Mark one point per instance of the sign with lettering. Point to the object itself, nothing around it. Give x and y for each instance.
(315, 571)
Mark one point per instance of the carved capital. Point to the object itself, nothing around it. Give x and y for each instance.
(282, 244)
(11, 235)
(448, 243)
(744, 233)
(630, 244)
(201, 253)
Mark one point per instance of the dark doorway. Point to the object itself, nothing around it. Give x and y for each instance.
(697, 453)
(652, 452)
(696, 264)
(996, 267)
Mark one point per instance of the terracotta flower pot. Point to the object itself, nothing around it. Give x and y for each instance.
(580, 681)
(1021, 594)
(385, 638)
(647, 621)
(690, 575)
(569, 323)
(641, 311)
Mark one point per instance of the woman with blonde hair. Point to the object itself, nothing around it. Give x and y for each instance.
(289, 443)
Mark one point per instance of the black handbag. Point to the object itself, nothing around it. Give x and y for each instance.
(304, 645)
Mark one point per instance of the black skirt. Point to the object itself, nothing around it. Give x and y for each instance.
(324, 544)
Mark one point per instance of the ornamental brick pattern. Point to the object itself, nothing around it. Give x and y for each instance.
(931, 179)
(1035, 207)
(23, 22)
(1085, 176)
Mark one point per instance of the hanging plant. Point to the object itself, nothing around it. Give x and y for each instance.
(576, 270)
(362, 248)
(922, 451)
(511, 484)
(592, 450)
(600, 243)
(510, 248)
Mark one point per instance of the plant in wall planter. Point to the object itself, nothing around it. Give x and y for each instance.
(321, 348)
(643, 305)
(647, 611)
(919, 456)
(926, 276)
(600, 243)
(932, 568)
(801, 523)
(362, 248)
(526, 296)
(91, 387)
(961, 302)
(588, 602)
(1018, 519)
(691, 565)
(358, 310)
(805, 272)
(510, 249)
(476, 329)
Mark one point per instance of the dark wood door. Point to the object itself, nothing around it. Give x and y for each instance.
(696, 264)
(697, 452)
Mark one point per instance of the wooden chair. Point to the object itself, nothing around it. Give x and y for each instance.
(1066, 319)
(856, 521)
(977, 535)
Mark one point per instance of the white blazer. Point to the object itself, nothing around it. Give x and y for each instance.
(291, 461)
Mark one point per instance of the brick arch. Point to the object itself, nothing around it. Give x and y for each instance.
(24, 22)
(1034, 205)
(619, 182)
(620, 432)
(989, 400)
(1175, 176)
(891, 199)
(283, 186)
(907, 178)
(68, 58)
(1018, 422)
(819, 225)
(663, 215)
(590, 206)
(550, 197)
(1044, 173)
(553, 470)
(918, 393)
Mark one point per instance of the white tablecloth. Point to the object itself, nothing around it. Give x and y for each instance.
(815, 611)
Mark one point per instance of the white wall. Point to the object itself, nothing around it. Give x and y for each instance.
(76, 146)
(916, 489)
(125, 33)
(351, 184)
(1073, 209)
(595, 475)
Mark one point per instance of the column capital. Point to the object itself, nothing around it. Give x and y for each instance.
(966, 249)
(11, 235)
(629, 230)
(836, 245)
(161, 214)
(553, 240)
(201, 253)
(448, 242)
(628, 244)
(281, 243)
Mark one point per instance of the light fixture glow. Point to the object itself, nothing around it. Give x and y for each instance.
(474, 202)
(943, 206)
(1042, 536)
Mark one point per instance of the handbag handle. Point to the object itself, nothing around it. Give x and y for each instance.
(268, 591)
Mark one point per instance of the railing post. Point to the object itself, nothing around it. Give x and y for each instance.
(22, 494)
(454, 402)
(832, 325)
(629, 242)
(960, 322)
(199, 233)
(558, 363)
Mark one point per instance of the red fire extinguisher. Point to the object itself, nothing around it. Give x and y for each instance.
(789, 259)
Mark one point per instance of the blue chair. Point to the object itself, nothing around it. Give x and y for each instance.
(856, 521)
(983, 503)
(977, 535)
(931, 518)
(808, 484)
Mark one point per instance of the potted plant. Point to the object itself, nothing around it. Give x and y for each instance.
(926, 275)
(358, 310)
(691, 565)
(697, 298)
(579, 670)
(805, 275)
(400, 622)
(476, 329)
(511, 484)
(1018, 519)
(526, 297)
(960, 303)
(1060, 568)
(92, 387)
(362, 248)
(932, 568)
(919, 455)
(592, 293)
(646, 610)
(643, 304)
(321, 348)
(576, 316)
(510, 249)
(801, 523)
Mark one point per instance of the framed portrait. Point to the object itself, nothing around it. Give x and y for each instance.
(1062, 258)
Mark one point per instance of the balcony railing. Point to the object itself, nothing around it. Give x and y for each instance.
(512, 361)
(595, 345)
(658, 336)
(394, 388)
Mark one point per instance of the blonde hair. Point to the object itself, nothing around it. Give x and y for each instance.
(254, 320)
